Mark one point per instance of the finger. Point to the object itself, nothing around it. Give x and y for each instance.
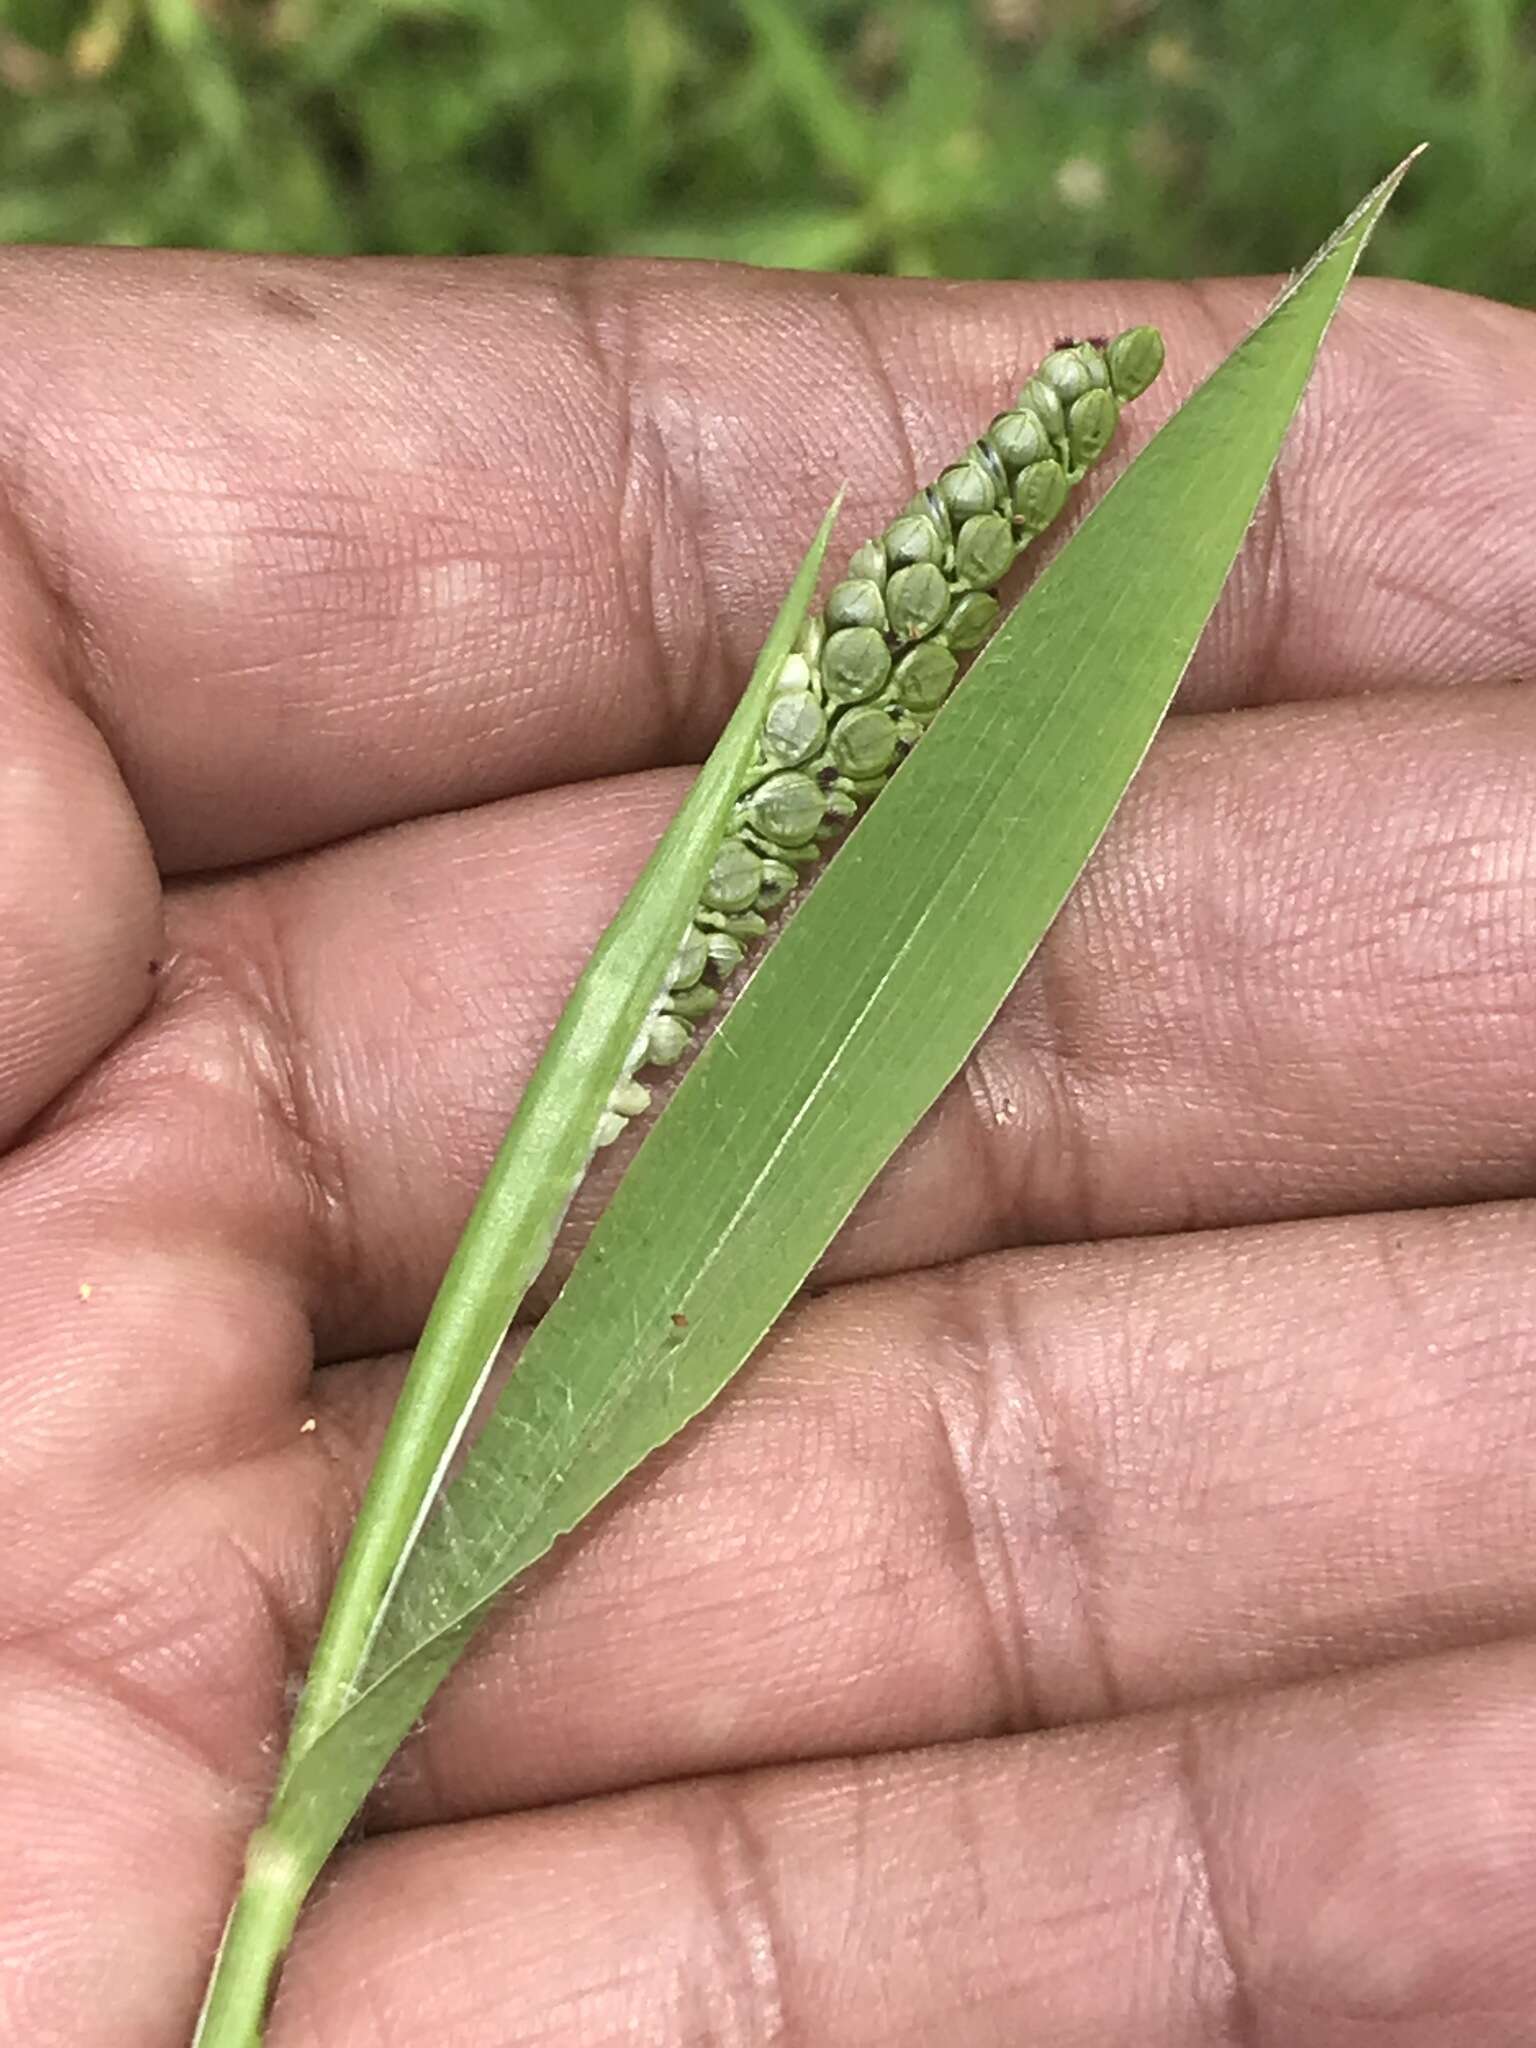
(1033, 1489)
(79, 903)
(1291, 984)
(165, 1666)
(400, 537)
(1338, 1865)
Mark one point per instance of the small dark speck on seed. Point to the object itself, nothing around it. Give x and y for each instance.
(155, 966)
(679, 1322)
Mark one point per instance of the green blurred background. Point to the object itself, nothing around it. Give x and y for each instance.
(961, 137)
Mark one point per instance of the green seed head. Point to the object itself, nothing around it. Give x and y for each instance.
(855, 603)
(912, 538)
(924, 677)
(1090, 425)
(1041, 399)
(855, 664)
(917, 599)
(1039, 493)
(863, 742)
(1135, 358)
(735, 878)
(842, 715)
(971, 620)
(795, 728)
(666, 1040)
(1019, 439)
(868, 563)
(984, 550)
(966, 490)
(786, 809)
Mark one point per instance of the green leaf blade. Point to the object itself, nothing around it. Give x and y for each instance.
(866, 1007)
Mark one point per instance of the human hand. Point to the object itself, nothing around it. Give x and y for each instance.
(1102, 1612)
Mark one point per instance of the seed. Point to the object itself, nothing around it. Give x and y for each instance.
(984, 550)
(1039, 398)
(856, 603)
(666, 1040)
(917, 599)
(1090, 424)
(725, 953)
(697, 1001)
(971, 620)
(734, 879)
(629, 1099)
(689, 962)
(1039, 493)
(777, 884)
(966, 490)
(855, 663)
(786, 808)
(795, 728)
(868, 563)
(924, 676)
(863, 742)
(912, 538)
(1020, 439)
(1135, 358)
(1067, 374)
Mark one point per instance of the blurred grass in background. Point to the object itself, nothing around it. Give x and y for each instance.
(959, 137)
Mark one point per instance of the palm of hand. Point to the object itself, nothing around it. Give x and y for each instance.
(1216, 1449)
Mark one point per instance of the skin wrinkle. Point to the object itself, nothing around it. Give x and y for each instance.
(866, 338)
(996, 1604)
(980, 1489)
(70, 657)
(1067, 1518)
(250, 992)
(1040, 1084)
(661, 496)
(27, 1662)
(635, 517)
(1240, 2019)
(285, 1618)
(734, 1879)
